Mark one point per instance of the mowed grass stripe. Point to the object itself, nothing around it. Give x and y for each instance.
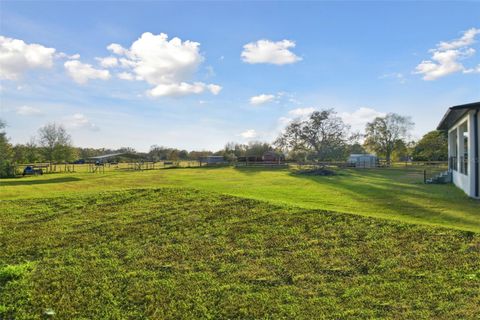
(173, 253)
(392, 193)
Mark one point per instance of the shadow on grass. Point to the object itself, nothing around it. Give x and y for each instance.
(202, 167)
(26, 182)
(256, 170)
(407, 199)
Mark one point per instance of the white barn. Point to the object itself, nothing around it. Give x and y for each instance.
(462, 123)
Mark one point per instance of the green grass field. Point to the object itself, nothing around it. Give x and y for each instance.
(387, 193)
(237, 243)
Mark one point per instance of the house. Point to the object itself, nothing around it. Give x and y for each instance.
(462, 124)
(363, 160)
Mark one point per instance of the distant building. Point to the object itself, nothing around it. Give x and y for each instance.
(213, 160)
(363, 160)
(249, 159)
(462, 124)
(272, 156)
(269, 158)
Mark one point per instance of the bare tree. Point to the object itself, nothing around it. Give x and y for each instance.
(383, 133)
(56, 143)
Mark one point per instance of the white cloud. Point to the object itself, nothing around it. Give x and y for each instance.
(125, 63)
(301, 112)
(28, 111)
(261, 99)
(444, 63)
(467, 39)
(17, 57)
(473, 70)
(446, 58)
(280, 97)
(161, 61)
(125, 76)
(288, 97)
(82, 72)
(78, 121)
(108, 62)
(63, 55)
(249, 134)
(166, 64)
(359, 118)
(214, 88)
(182, 89)
(266, 51)
(117, 49)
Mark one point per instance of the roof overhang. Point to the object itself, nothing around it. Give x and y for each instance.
(455, 113)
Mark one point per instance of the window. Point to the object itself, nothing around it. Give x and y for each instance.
(453, 161)
(464, 148)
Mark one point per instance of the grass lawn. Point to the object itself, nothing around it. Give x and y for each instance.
(179, 253)
(223, 243)
(397, 194)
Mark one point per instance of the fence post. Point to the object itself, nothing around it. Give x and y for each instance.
(425, 176)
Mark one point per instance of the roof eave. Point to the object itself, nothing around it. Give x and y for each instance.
(447, 123)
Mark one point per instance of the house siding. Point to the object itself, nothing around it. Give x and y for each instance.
(466, 182)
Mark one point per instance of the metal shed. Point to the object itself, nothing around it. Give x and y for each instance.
(363, 160)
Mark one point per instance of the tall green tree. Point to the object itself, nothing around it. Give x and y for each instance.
(26, 153)
(84, 153)
(32, 152)
(322, 136)
(234, 150)
(157, 153)
(19, 153)
(356, 148)
(383, 134)
(5, 152)
(432, 147)
(402, 151)
(253, 148)
(196, 155)
(56, 143)
(257, 148)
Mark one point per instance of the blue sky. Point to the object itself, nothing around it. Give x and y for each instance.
(361, 58)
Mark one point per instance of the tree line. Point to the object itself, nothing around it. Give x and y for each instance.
(321, 136)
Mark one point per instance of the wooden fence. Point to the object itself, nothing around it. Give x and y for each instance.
(431, 167)
(48, 168)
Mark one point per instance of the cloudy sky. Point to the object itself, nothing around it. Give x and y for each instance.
(197, 75)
